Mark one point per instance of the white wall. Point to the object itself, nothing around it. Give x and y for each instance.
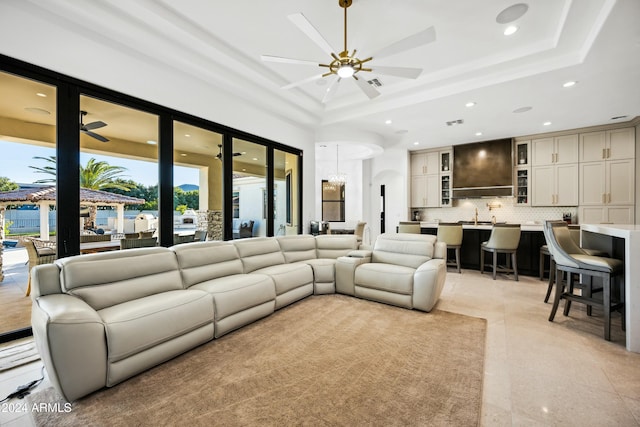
(390, 169)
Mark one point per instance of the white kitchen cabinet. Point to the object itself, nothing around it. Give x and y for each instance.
(425, 163)
(555, 150)
(425, 191)
(554, 185)
(606, 214)
(613, 144)
(607, 183)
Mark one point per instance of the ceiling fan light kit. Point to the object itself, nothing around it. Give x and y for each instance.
(345, 65)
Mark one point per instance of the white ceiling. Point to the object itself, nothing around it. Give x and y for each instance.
(595, 42)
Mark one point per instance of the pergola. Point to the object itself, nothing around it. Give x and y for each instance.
(44, 197)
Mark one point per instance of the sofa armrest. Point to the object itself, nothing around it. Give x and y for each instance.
(361, 253)
(71, 340)
(346, 271)
(45, 280)
(440, 250)
(428, 281)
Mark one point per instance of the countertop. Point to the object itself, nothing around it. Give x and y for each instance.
(523, 227)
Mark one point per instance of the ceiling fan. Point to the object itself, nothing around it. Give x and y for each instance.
(345, 64)
(86, 129)
(219, 155)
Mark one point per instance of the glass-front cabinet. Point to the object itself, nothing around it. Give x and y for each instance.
(445, 190)
(523, 172)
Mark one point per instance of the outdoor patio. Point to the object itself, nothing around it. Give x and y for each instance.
(15, 307)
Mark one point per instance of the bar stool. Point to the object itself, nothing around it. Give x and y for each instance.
(572, 259)
(451, 234)
(504, 239)
(574, 233)
(409, 227)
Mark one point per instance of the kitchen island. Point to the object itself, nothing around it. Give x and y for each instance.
(473, 235)
(622, 242)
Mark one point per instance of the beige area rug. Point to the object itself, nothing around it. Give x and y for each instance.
(325, 361)
(18, 354)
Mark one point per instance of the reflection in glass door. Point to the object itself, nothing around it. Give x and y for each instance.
(285, 193)
(249, 189)
(197, 180)
(27, 193)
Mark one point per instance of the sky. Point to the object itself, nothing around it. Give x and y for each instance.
(15, 160)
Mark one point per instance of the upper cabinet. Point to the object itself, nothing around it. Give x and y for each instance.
(555, 151)
(523, 153)
(607, 145)
(425, 163)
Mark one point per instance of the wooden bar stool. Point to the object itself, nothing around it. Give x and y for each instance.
(573, 260)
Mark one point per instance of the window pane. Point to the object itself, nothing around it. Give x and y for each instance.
(28, 127)
(197, 180)
(118, 173)
(332, 202)
(285, 198)
(250, 182)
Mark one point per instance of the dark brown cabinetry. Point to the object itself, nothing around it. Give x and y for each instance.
(528, 250)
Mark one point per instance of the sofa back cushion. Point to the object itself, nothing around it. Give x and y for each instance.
(409, 250)
(110, 278)
(259, 252)
(335, 245)
(202, 261)
(297, 248)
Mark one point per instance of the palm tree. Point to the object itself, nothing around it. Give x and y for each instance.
(96, 175)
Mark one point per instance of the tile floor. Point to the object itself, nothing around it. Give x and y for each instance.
(537, 373)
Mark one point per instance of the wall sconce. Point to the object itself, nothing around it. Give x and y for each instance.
(493, 205)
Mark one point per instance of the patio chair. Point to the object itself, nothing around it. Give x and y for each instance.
(40, 252)
(138, 243)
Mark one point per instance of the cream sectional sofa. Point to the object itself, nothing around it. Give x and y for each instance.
(99, 319)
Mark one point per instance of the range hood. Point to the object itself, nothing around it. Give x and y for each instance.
(483, 169)
(480, 192)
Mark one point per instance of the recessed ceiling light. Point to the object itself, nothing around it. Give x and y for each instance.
(478, 133)
(388, 122)
(416, 143)
(569, 83)
(470, 104)
(150, 142)
(512, 13)
(187, 135)
(522, 110)
(42, 95)
(255, 158)
(183, 155)
(511, 29)
(244, 170)
(243, 152)
(546, 124)
(35, 110)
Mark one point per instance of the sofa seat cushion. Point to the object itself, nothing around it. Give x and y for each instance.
(385, 277)
(238, 292)
(288, 276)
(140, 324)
(324, 269)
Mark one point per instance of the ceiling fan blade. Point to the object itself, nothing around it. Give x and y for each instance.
(301, 82)
(418, 39)
(405, 72)
(306, 27)
(95, 125)
(269, 58)
(368, 90)
(331, 90)
(96, 136)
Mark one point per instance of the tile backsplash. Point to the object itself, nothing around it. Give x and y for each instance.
(504, 209)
